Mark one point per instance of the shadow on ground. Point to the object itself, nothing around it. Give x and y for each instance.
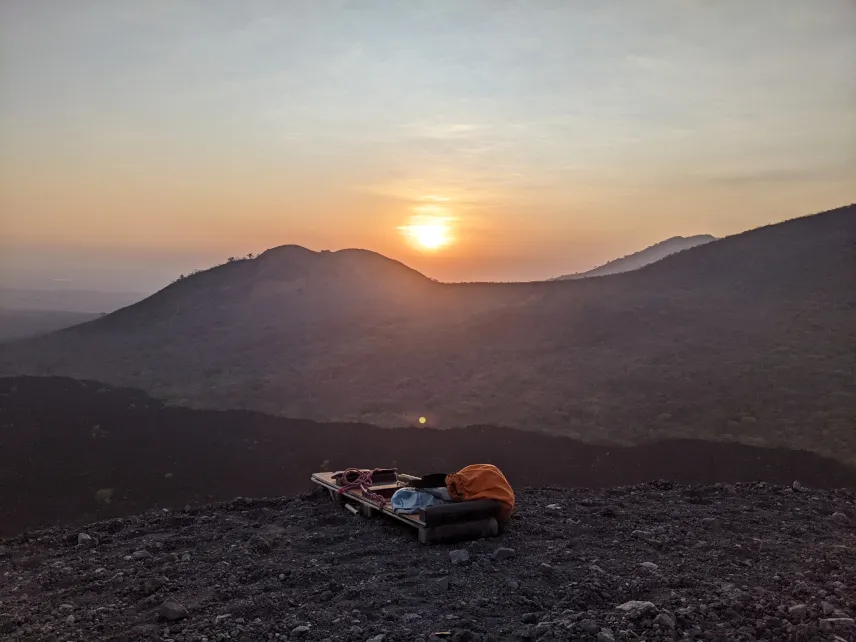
(74, 451)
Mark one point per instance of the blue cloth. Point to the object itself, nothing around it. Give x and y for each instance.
(411, 500)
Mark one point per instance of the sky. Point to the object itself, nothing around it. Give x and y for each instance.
(142, 138)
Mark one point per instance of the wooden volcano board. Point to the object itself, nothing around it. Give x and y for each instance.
(369, 507)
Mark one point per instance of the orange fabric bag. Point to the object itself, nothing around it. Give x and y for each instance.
(482, 481)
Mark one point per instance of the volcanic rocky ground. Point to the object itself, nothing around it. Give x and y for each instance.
(646, 562)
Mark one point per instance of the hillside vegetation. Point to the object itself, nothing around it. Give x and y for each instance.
(748, 338)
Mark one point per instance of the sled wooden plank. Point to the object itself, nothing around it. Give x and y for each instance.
(326, 480)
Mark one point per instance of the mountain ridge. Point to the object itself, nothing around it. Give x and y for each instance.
(745, 338)
(640, 259)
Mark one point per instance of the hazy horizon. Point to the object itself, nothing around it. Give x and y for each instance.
(91, 278)
(140, 141)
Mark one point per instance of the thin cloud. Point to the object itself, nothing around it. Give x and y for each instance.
(779, 175)
(649, 63)
(444, 131)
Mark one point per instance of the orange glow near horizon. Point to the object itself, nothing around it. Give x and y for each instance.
(120, 169)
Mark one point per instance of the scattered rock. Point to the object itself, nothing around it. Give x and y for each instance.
(351, 580)
(7, 624)
(153, 584)
(459, 557)
(172, 611)
(503, 553)
(300, 631)
(712, 523)
(69, 619)
(85, 539)
(797, 486)
(837, 625)
(140, 555)
(840, 518)
(377, 638)
(553, 507)
(609, 511)
(636, 608)
(664, 621)
(442, 585)
(589, 626)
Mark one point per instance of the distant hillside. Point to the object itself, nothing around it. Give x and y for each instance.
(18, 324)
(83, 301)
(749, 338)
(644, 257)
(27, 313)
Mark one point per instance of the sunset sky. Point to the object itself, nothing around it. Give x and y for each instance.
(143, 138)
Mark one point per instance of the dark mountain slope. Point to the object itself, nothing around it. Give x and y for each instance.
(61, 441)
(748, 338)
(812, 254)
(287, 284)
(644, 257)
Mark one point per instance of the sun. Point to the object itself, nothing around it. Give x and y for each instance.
(429, 232)
(431, 235)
